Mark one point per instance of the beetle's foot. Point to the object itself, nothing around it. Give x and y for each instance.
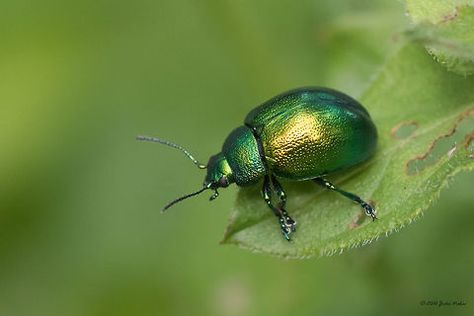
(287, 225)
(369, 210)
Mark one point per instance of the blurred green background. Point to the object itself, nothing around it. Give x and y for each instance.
(80, 228)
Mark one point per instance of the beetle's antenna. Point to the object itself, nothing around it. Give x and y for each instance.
(183, 198)
(170, 144)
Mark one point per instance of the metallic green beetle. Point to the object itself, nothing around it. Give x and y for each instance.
(302, 134)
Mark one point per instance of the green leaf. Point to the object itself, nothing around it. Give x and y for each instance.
(425, 119)
(447, 30)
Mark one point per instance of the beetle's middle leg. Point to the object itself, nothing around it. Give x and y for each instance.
(369, 209)
(287, 224)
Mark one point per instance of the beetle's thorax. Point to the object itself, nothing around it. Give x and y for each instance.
(242, 153)
(239, 162)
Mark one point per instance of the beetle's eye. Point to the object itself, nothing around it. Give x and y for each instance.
(223, 183)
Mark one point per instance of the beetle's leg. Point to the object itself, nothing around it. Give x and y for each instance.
(369, 210)
(279, 192)
(286, 227)
(281, 205)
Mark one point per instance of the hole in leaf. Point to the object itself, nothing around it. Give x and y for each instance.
(451, 16)
(357, 220)
(404, 130)
(445, 145)
(470, 145)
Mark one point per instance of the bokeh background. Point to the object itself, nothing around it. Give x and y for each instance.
(80, 228)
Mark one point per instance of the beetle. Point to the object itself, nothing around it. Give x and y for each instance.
(302, 134)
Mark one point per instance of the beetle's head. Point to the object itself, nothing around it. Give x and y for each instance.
(219, 174)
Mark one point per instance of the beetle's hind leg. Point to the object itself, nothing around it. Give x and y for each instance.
(287, 224)
(369, 209)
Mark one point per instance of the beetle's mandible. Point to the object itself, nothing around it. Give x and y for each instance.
(302, 134)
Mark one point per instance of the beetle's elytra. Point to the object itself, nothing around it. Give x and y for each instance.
(302, 134)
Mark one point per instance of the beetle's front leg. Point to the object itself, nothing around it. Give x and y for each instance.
(279, 192)
(281, 205)
(287, 224)
(369, 209)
